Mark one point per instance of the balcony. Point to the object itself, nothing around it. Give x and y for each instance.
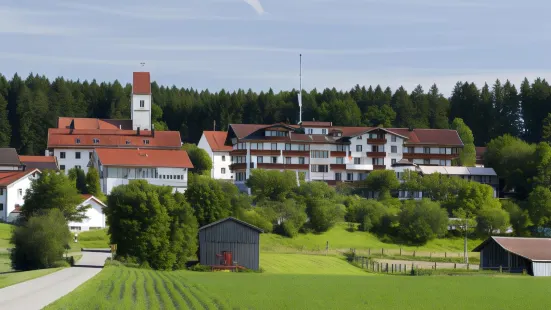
(359, 167)
(282, 166)
(376, 154)
(379, 167)
(297, 153)
(338, 167)
(238, 152)
(266, 152)
(241, 166)
(376, 141)
(338, 154)
(429, 156)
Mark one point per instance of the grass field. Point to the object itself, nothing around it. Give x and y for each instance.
(306, 264)
(5, 234)
(91, 239)
(126, 288)
(7, 279)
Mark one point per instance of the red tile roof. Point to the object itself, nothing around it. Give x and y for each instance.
(94, 123)
(534, 249)
(9, 177)
(216, 140)
(39, 162)
(37, 159)
(58, 137)
(144, 158)
(141, 84)
(316, 124)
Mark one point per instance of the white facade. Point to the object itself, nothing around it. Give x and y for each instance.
(13, 195)
(95, 217)
(141, 112)
(541, 269)
(221, 161)
(68, 159)
(112, 176)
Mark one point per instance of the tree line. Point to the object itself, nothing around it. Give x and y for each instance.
(29, 106)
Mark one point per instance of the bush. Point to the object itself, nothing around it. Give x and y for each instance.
(61, 264)
(324, 214)
(200, 268)
(40, 242)
(71, 260)
(421, 221)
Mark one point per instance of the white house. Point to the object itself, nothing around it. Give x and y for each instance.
(158, 167)
(13, 186)
(95, 217)
(213, 142)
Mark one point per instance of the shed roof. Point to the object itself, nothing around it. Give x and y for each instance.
(9, 157)
(39, 162)
(235, 220)
(534, 249)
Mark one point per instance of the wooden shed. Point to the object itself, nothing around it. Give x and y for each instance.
(230, 242)
(516, 254)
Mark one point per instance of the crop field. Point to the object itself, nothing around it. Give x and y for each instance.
(127, 288)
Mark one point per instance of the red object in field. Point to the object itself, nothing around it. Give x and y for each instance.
(227, 258)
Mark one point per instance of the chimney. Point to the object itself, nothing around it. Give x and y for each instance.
(153, 130)
(120, 126)
(411, 128)
(138, 131)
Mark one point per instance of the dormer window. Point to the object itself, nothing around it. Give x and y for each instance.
(96, 141)
(275, 133)
(359, 137)
(77, 140)
(127, 142)
(142, 103)
(145, 141)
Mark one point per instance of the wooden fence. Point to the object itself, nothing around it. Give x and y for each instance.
(401, 267)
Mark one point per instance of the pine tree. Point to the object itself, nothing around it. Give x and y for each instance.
(5, 128)
(93, 182)
(438, 109)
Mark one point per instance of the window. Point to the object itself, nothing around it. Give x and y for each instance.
(145, 141)
(75, 228)
(259, 160)
(393, 138)
(394, 149)
(341, 148)
(358, 148)
(287, 146)
(20, 192)
(62, 155)
(127, 141)
(338, 176)
(426, 161)
(274, 146)
(426, 150)
(320, 168)
(442, 162)
(350, 177)
(1, 207)
(340, 160)
(442, 150)
(90, 155)
(223, 158)
(357, 160)
(257, 146)
(77, 155)
(310, 131)
(303, 147)
(62, 167)
(96, 141)
(142, 103)
(78, 166)
(274, 160)
(359, 137)
(324, 131)
(240, 176)
(287, 160)
(1, 191)
(223, 170)
(77, 141)
(301, 160)
(320, 154)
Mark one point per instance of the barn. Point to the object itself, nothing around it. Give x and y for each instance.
(516, 254)
(230, 242)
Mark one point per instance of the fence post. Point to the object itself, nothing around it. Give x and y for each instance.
(445, 254)
(430, 254)
(392, 268)
(467, 266)
(454, 265)
(383, 252)
(369, 252)
(500, 269)
(413, 253)
(386, 267)
(434, 265)
(400, 251)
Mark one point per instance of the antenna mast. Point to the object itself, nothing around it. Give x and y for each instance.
(300, 93)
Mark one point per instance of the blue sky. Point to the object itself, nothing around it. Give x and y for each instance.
(255, 44)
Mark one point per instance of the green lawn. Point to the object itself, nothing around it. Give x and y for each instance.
(5, 235)
(306, 264)
(91, 239)
(7, 279)
(126, 288)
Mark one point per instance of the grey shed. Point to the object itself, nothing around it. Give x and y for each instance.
(230, 234)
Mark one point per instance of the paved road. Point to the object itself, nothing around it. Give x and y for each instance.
(40, 292)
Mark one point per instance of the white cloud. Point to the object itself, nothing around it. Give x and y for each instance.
(256, 6)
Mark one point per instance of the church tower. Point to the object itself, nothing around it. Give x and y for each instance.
(141, 101)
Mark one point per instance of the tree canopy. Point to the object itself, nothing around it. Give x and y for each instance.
(202, 163)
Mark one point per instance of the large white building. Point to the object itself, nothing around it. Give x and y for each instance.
(15, 180)
(118, 166)
(213, 143)
(75, 139)
(334, 153)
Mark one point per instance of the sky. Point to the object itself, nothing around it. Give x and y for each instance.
(231, 44)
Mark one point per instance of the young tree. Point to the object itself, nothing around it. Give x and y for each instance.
(202, 163)
(492, 219)
(287, 217)
(79, 178)
(383, 182)
(92, 182)
(519, 218)
(472, 197)
(370, 214)
(271, 184)
(421, 221)
(40, 242)
(208, 200)
(54, 191)
(539, 206)
(324, 214)
(467, 156)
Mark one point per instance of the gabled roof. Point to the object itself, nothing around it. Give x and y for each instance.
(88, 197)
(141, 83)
(143, 158)
(94, 123)
(61, 137)
(534, 249)
(9, 177)
(216, 140)
(234, 220)
(9, 157)
(316, 124)
(39, 162)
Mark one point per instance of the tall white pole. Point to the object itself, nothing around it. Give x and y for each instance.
(300, 93)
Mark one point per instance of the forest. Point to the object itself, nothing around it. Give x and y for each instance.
(29, 106)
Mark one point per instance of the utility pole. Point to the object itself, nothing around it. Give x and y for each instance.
(300, 92)
(466, 257)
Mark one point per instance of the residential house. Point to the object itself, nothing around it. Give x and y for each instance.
(95, 216)
(213, 142)
(13, 187)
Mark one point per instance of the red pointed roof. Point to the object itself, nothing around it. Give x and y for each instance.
(141, 83)
(216, 140)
